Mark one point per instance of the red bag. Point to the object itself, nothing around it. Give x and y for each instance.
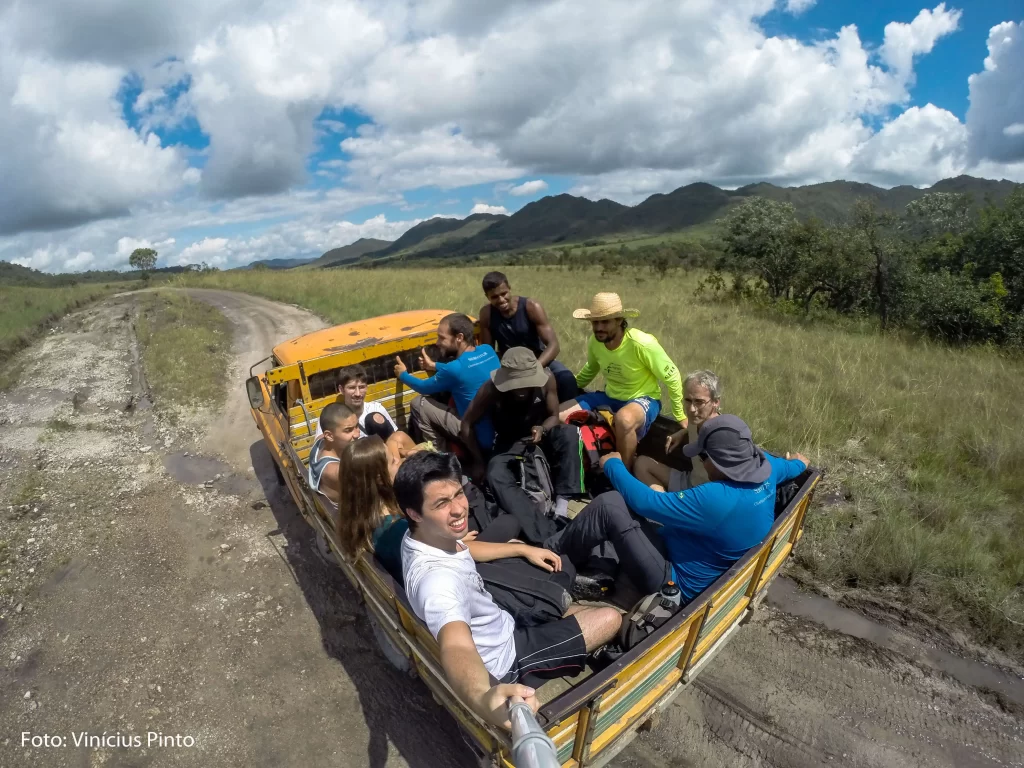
(596, 436)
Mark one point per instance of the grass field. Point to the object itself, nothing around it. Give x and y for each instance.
(25, 311)
(922, 444)
(185, 346)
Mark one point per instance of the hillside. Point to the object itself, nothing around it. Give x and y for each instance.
(348, 253)
(440, 231)
(278, 263)
(548, 220)
(569, 219)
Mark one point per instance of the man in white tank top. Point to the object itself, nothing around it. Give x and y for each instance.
(340, 426)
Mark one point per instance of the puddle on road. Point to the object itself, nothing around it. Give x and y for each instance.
(197, 470)
(787, 596)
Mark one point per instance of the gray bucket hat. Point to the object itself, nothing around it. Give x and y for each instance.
(519, 370)
(727, 441)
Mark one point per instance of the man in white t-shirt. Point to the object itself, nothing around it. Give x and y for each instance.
(486, 658)
(373, 418)
(702, 400)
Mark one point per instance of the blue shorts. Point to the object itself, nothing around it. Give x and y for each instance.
(591, 401)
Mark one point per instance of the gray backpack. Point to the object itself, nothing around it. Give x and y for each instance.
(535, 479)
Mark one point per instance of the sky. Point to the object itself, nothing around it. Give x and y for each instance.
(226, 131)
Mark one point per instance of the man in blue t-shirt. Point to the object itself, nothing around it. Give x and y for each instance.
(704, 529)
(469, 368)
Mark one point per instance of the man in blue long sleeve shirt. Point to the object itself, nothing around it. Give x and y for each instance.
(470, 367)
(704, 529)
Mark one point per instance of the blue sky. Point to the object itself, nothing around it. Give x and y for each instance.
(224, 132)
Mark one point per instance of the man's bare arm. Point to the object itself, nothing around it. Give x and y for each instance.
(330, 481)
(478, 408)
(551, 400)
(470, 680)
(485, 326)
(545, 332)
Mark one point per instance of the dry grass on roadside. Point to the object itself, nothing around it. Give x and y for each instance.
(185, 346)
(25, 311)
(927, 441)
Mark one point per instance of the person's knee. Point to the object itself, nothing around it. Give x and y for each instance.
(567, 408)
(496, 466)
(613, 511)
(628, 419)
(644, 468)
(599, 626)
(416, 406)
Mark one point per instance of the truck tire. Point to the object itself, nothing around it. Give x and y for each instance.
(323, 549)
(391, 652)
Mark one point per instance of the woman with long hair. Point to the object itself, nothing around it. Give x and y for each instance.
(368, 515)
(369, 518)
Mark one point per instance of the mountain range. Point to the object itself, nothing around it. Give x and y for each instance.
(568, 219)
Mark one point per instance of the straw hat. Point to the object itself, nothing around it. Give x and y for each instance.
(603, 306)
(519, 370)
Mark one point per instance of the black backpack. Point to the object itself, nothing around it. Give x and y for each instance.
(530, 594)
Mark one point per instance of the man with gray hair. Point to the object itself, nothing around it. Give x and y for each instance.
(702, 399)
(704, 530)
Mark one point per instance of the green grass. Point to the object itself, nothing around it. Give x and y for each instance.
(25, 311)
(185, 346)
(926, 439)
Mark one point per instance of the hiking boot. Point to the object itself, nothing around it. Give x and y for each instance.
(605, 656)
(592, 585)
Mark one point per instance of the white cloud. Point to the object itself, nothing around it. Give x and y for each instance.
(920, 147)
(997, 99)
(529, 188)
(66, 156)
(485, 208)
(442, 157)
(796, 7)
(903, 42)
(629, 99)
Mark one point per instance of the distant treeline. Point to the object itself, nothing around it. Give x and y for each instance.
(943, 266)
(14, 274)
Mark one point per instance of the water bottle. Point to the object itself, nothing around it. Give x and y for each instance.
(671, 597)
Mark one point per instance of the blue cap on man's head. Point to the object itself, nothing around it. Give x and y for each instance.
(727, 441)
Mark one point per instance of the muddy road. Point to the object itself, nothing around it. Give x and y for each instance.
(156, 584)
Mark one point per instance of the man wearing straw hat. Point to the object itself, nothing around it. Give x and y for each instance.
(633, 362)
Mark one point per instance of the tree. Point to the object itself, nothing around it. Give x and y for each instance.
(759, 240)
(143, 259)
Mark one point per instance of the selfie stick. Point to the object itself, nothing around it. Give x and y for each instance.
(531, 747)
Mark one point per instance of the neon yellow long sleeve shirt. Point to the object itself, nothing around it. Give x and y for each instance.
(633, 370)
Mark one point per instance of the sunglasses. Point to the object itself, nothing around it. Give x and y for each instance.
(702, 456)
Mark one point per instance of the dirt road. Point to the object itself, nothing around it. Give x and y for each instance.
(160, 582)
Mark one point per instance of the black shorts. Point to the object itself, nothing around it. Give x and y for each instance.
(556, 649)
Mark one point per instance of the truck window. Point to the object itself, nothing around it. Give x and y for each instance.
(325, 383)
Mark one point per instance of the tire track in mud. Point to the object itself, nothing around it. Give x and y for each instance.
(787, 693)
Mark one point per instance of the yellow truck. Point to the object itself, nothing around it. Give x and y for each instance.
(590, 718)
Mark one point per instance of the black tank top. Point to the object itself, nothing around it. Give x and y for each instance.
(513, 418)
(515, 331)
